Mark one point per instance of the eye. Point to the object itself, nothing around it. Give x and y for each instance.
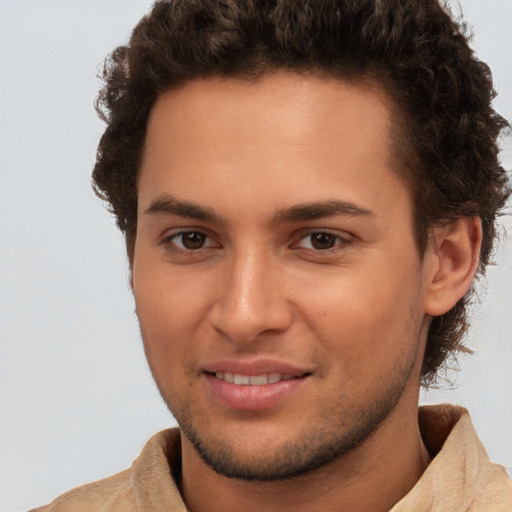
(321, 241)
(190, 240)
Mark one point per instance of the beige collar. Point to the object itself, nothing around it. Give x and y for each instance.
(460, 477)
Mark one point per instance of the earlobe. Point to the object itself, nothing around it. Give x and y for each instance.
(453, 259)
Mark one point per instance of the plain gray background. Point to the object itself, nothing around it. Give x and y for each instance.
(77, 401)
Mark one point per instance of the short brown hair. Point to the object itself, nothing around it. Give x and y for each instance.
(413, 48)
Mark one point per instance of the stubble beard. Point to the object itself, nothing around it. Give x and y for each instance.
(333, 432)
(309, 451)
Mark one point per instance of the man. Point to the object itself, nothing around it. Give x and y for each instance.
(307, 190)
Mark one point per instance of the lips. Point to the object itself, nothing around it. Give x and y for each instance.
(253, 385)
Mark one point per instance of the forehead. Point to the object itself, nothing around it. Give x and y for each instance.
(283, 106)
(280, 140)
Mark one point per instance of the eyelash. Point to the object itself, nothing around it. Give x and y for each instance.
(169, 241)
(341, 242)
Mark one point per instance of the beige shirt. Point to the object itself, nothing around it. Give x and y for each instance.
(460, 477)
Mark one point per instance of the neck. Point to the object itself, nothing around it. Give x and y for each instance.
(372, 477)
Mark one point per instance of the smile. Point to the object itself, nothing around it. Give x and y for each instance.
(256, 391)
(253, 380)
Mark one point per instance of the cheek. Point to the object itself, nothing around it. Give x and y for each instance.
(366, 322)
(168, 311)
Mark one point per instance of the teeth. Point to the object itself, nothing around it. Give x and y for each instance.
(253, 380)
(241, 380)
(258, 380)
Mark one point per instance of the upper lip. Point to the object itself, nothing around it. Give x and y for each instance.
(252, 367)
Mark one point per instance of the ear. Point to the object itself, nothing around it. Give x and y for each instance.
(451, 262)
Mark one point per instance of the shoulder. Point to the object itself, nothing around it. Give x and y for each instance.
(460, 476)
(149, 481)
(113, 493)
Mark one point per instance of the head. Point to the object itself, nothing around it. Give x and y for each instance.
(442, 128)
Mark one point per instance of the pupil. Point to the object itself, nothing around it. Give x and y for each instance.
(323, 241)
(193, 240)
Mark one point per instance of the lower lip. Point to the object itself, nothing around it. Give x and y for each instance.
(253, 398)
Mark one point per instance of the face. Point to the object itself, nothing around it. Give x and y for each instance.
(277, 282)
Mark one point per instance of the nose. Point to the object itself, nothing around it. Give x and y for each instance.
(250, 301)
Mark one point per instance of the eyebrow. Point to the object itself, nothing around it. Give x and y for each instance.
(168, 205)
(321, 209)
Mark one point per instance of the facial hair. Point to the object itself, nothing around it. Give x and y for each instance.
(313, 449)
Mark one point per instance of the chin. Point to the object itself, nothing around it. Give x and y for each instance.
(259, 457)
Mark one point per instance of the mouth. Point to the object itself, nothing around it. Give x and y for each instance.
(255, 380)
(256, 388)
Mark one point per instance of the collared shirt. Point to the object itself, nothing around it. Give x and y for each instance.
(460, 478)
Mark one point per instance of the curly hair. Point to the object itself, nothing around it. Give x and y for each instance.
(445, 133)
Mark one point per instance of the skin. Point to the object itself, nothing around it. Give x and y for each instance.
(251, 282)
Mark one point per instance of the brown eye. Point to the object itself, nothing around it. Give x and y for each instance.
(319, 241)
(323, 241)
(192, 240)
